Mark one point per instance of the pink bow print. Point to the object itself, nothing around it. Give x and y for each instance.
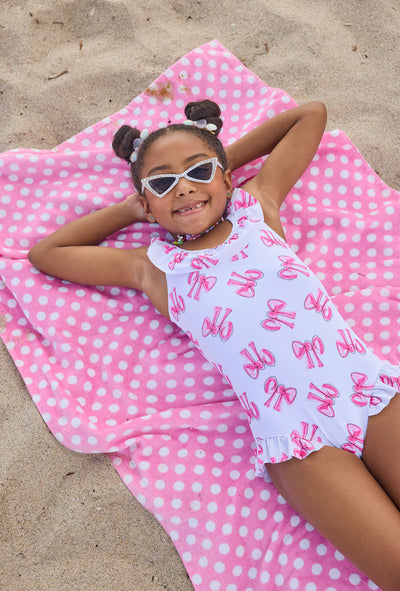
(309, 349)
(233, 237)
(242, 254)
(203, 260)
(273, 389)
(315, 303)
(355, 440)
(245, 200)
(391, 381)
(250, 408)
(193, 339)
(218, 367)
(276, 315)
(178, 258)
(215, 327)
(247, 282)
(324, 396)
(349, 344)
(258, 360)
(269, 238)
(362, 390)
(291, 268)
(178, 305)
(200, 282)
(167, 248)
(304, 442)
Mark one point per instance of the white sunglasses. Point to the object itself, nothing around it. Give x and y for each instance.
(201, 172)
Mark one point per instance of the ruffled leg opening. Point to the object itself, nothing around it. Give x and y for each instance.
(385, 388)
(273, 450)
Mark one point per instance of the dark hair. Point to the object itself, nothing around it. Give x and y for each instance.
(123, 139)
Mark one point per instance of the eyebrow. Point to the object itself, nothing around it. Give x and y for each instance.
(186, 161)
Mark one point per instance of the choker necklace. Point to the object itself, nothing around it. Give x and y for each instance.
(185, 237)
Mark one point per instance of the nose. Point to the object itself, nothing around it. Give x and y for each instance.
(184, 187)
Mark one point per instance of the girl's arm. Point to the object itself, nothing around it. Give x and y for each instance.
(291, 140)
(72, 252)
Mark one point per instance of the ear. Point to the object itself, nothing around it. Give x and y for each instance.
(147, 209)
(228, 182)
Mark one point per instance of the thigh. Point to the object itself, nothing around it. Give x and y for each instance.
(337, 494)
(381, 452)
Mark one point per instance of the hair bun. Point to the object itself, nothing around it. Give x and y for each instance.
(122, 143)
(205, 109)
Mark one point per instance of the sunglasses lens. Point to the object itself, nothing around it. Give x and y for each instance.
(161, 185)
(203, 172)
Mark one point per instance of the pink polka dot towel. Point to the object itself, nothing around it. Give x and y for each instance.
(109, 374)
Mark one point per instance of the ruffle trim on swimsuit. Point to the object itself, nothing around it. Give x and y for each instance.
(386, 386)
(273, 450)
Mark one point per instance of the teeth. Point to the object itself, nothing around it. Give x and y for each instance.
(194, 207)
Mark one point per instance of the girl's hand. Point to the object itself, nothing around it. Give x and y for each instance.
(135, 206)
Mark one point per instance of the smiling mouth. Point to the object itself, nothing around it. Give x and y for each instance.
(186, 210)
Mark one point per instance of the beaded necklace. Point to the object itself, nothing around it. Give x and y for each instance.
(186, 237)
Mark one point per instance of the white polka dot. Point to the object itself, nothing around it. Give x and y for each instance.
(355, 579)
(298, 563)
(316, 569)
(334, 573)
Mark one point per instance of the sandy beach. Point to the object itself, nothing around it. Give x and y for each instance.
(68, 523)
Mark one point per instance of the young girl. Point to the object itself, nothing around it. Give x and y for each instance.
(313, 391)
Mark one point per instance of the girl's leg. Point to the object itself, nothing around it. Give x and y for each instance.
(382, 448)
(336, 493)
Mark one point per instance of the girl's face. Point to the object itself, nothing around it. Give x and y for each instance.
(190, 207)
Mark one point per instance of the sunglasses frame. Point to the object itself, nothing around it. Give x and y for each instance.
(146, 181)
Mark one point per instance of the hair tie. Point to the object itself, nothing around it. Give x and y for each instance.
(202, 124)
(137, 142)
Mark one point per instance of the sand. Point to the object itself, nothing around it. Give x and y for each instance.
(67, 521)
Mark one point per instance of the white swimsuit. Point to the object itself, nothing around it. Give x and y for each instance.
(262, 317)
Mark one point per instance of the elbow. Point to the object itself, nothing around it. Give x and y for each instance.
(321, 105)
(316, 114)
(32, 257)
(35, 257)
(321, 111)
(316, 108)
